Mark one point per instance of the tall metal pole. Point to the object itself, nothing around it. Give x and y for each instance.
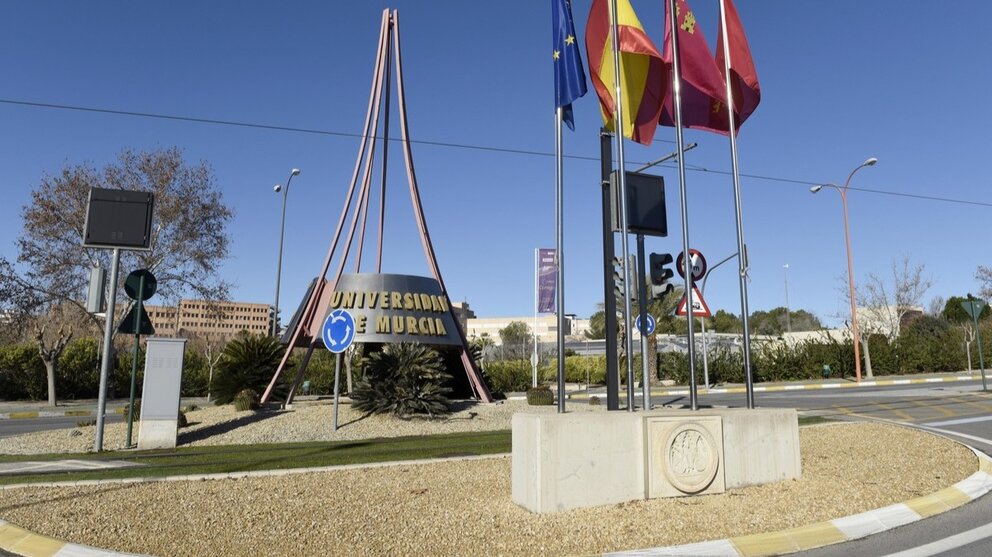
(282, 232)
(738, 213)
(788, 311)
(850, 284)
(981, 357)
(108, 335)
(138, 306)
(609, 300)
(622, 181)
(559, 258)
(677, 90)
(642, 294)
(533, 355)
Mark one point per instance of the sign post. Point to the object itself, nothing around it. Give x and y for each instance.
(974, 309)
(338, 333)
(140, 285)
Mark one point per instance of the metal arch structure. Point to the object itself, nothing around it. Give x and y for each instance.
(306, 330)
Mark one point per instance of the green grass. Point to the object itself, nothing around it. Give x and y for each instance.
(244, 458)
(813, 420)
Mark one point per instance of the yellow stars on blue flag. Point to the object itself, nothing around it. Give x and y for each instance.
(570, 76)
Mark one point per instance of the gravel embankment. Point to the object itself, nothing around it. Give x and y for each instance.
(464, 508)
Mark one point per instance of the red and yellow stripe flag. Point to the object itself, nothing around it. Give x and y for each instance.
(644, 77)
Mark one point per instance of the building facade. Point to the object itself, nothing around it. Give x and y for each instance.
(222, 320)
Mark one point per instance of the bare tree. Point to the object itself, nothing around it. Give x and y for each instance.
(887, 302)
(189, 238)
(984, 276)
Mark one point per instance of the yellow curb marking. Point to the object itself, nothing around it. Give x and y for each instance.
(794, 539)
(936, 503)
(21, 541)
(985, 465)
(17, 415)
(79, 413)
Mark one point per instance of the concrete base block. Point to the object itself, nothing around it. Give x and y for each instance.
(575, 460)
(157, 434)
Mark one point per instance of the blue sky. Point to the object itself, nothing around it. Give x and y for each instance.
(903, 81)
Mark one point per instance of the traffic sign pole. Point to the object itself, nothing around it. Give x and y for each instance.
(134, 360)
(643, 318)
(981, 358)
(337, 387)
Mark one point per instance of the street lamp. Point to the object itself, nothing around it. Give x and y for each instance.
(850, 267)
(282, 231)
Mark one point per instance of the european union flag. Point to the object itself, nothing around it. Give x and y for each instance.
(570, 77)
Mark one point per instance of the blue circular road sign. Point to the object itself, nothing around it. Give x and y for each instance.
(339, 331)
(637, 323)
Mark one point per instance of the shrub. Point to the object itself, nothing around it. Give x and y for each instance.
(248, 362)
(246, 399)
(403, 379)
(181, 420)
(594, 401)
(509, 375)
(540, 396)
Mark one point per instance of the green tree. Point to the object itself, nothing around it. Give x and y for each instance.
(517, 341)
(954, 312)
(188, 242)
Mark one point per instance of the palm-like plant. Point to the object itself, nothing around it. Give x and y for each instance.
(403, 379)
(247, 362)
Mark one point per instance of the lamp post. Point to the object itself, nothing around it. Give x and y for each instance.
(282, 231)
(850, 267)
(788, 312)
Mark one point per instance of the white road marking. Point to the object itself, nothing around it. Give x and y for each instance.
(947, 544)
(961, 421)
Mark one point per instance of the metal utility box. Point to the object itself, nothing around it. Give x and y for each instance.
(160, 393)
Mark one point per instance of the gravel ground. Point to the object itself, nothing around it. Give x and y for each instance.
(462, 508)
(308, 421)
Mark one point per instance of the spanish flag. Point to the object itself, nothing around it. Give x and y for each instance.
(644, 76)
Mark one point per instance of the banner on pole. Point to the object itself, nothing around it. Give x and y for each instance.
(547, 280)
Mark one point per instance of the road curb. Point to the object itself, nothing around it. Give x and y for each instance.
(838, 530)
(30, 414)
(684, 391)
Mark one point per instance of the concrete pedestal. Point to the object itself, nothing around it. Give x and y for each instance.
(574, 460)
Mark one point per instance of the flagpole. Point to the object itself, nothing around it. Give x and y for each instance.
(622, 181)
(559, 258)
(533, 356)
(687, 271)
(742, 259)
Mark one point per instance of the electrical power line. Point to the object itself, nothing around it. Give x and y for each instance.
(694, 168)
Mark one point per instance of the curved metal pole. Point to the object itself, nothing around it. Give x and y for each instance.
(850, 265)
(282, 234)
(706, 363)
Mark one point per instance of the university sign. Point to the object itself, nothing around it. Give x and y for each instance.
(395, 308)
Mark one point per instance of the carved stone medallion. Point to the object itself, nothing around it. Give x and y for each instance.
(691, 458)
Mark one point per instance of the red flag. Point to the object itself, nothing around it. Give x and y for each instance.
(703, 90)
(643, 75)
(743, 77)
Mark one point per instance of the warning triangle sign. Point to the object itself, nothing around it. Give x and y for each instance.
(699, 307)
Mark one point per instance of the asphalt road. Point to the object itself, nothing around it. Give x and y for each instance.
(958, 410)
(10, 428)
